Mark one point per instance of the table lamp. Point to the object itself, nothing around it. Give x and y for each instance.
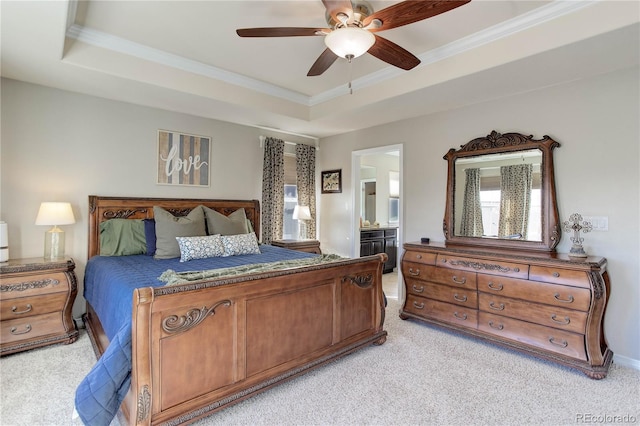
(302, 214)
(54, 214)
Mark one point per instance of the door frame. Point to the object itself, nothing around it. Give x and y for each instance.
(356, 202)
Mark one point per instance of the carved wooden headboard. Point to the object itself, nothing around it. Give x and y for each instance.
(105, 208)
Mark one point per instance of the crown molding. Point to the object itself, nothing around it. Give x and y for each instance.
(522, 22)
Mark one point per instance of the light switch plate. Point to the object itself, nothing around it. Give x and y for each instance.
(599, 223)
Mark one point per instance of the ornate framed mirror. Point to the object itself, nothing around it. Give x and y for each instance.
(501, 193)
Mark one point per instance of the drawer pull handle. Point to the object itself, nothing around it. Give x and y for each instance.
(460, 282)
(27, 328)
(462, 317)
(15, 310)
(460, 299)
(418, 305)
(418, 289)
(556, 274)
(567, 300)
(418, 256)
(414, 273)
(516, 269)
(555, 319)
(562, 344)
(495, 287)
(497, 327)
(493, 306)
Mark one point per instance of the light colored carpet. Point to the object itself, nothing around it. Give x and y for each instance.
(421, 375)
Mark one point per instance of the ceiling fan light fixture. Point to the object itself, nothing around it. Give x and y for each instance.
(349, 41)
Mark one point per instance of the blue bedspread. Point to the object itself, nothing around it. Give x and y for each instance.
(108, 286)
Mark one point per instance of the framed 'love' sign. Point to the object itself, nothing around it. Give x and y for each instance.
(183, 159)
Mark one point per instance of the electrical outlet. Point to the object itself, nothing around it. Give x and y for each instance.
(599, 223)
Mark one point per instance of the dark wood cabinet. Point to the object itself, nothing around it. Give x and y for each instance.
(380, 240)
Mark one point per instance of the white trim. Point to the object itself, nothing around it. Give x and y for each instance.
(127, 47)
(626, 361)
(355, 197)
(504, 29)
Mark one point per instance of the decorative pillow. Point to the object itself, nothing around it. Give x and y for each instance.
(150, 236)
(217, 223)
(200, 247)
(168, 227)
(240, 244)
(122, 237)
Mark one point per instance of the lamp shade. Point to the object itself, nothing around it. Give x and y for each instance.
(349, 41)
(55, 214)
(301, 213)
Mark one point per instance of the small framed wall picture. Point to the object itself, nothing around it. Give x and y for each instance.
(183, 159)
(331, 181)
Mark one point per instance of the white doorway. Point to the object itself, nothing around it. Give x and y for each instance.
(385, 165)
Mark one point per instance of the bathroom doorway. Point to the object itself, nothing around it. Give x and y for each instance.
(378, 205)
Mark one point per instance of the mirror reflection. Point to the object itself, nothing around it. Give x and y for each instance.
(499, 196)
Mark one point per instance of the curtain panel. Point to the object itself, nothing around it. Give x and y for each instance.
(471, 224)
(306, 183)
(272, 190)
(515, 200)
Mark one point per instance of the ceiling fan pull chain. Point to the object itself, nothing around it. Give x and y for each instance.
(349, 58)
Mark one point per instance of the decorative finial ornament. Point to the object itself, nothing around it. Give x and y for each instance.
(573, 224)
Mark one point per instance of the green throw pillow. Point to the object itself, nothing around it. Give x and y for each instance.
(122, 237)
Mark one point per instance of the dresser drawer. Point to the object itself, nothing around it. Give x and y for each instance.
(33, 284)
(551, 316)
(558, 341)
(559, 276)
(441, 311)
(454, 278)
(550, 294)
(444, 293)
(420, 257)
(507, 269)
(31, 327)
(29, 306)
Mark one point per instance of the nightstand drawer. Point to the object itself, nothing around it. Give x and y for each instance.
(29, 306)
(31, 327)
(23, 285)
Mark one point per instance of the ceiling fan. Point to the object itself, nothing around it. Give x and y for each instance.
(352, 25)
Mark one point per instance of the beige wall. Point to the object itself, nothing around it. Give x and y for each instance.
(62, 146)
(596, 123)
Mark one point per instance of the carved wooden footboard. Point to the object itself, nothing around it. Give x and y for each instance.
(200, 347)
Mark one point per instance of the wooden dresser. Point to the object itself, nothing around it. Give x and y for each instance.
(547, 305)
(36, 298)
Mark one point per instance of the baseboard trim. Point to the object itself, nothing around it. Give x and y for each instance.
(626, 361)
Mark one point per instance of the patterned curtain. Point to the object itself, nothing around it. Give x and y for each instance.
(515, 201)
(272, 190)
(306, 183)
(471, 225)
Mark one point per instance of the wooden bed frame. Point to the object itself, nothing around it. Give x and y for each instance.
(202, 346)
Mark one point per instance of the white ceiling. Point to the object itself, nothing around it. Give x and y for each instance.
(185, 56)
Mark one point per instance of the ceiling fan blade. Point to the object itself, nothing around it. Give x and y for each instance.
(335, 7)
(281, 32)
(393, 54)
(324, 61)
(411, 11)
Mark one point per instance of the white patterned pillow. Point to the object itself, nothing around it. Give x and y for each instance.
(240, 244)
(200, 247)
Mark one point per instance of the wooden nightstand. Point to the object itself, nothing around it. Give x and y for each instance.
(310, 246)
(36, 297)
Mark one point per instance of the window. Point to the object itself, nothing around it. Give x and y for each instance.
(290, 228)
